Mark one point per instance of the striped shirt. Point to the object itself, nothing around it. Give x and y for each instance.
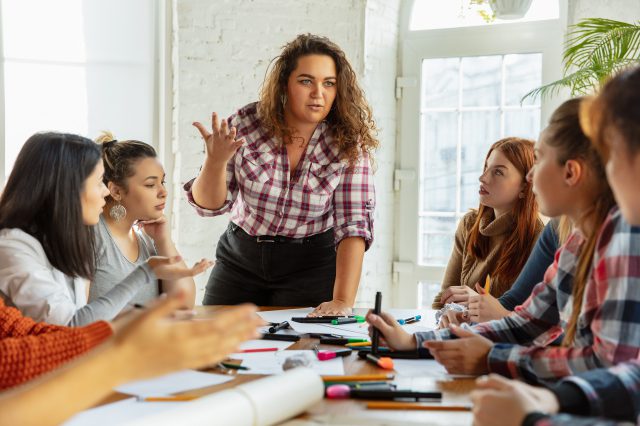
(608, 328)
(324, 192)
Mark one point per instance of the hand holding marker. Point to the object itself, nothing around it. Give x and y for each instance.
(382, 362)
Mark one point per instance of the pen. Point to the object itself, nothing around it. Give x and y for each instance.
(280, 326)
(356, 383)
(359, 378)
(327, 355)
(410, 320)
(175, 398)
(343, 391)
(281, 337)
(249, 351)
(358, 344)
(382, 362)
(398, 405)
(342, 341)
(375, 337)
(233, 366)
(347, 320)
(487, 284)
(317, 320)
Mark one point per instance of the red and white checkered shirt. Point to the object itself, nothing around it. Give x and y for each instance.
(324, 192)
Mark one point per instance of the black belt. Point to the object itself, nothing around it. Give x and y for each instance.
(241, 233)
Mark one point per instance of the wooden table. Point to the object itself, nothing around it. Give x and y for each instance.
(354, 412)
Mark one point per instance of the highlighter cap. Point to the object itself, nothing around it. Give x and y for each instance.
(338, 392)
(386, 363)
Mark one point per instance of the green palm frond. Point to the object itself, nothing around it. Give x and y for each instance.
(595, 49)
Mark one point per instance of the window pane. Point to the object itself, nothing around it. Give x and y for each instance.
(427, 291)
(437, 239)
(523, 123)
(481, 85)
(522, 73)
(439, 144)
(480, 129)
(440, 82)
(33, 103)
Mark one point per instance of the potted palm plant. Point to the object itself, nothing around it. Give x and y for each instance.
(595, 49)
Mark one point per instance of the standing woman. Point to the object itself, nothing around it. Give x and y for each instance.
(294, 171)
(132, 225)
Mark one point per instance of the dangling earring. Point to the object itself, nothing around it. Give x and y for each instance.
(117, 212)
(283, 100)
(521, 195)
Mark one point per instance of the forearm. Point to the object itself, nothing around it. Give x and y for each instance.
(348, 269)
(109, 305)
(187, 285)
(88, 379)
(210, 186)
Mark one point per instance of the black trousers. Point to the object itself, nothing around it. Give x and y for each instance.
(285, 272)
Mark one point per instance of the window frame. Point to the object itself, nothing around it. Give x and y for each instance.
(544, 37)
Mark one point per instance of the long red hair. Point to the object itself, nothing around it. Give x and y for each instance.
(518, 245)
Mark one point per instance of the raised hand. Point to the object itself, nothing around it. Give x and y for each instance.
(221, 143)
(170, 268)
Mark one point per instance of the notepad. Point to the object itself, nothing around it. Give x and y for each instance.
(181, 381)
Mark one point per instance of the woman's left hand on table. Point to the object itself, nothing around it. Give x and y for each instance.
(332, 307)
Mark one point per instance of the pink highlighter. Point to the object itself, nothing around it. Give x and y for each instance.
(327, 355)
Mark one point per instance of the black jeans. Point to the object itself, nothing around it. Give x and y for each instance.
(282, 273)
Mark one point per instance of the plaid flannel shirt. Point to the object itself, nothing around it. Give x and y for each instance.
(608, 329)
(323, 193)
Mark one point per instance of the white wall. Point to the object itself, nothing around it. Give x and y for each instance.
(221, 51)
(621, 10)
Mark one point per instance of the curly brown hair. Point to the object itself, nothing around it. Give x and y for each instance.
(350, 118)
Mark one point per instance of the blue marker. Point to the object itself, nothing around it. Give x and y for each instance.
(410, 320)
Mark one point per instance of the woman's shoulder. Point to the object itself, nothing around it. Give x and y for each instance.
(15, 241)
(17, 238)
(469, 219)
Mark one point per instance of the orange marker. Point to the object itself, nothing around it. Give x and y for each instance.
(382, 362)
(359, 378)
(397, 405)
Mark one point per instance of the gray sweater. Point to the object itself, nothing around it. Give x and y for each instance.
(113, 266)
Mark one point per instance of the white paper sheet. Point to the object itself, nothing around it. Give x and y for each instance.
(181, 381)
(119, 413)
(423, 368)
(262, 344)
(271, 363)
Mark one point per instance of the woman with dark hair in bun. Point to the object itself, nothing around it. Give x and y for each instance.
(132, 225)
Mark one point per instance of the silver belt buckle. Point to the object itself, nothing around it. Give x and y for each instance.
(265, 239)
